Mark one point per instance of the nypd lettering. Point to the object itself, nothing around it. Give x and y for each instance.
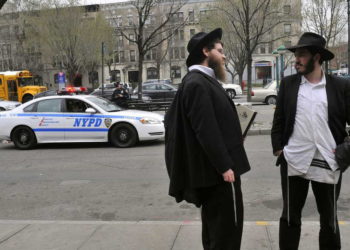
(87, 122)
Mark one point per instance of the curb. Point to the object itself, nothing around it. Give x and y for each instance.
(261, 131)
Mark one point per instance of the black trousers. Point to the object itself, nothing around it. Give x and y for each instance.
(289, 233)
(220, 230)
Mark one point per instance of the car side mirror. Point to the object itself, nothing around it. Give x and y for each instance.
(90, 110)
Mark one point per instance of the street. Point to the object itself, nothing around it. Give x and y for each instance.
(100, 182)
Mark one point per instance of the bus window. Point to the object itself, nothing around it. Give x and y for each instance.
(12, 90)
(22, 82)
(0, 82)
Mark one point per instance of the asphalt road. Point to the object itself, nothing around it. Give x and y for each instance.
(100, 182)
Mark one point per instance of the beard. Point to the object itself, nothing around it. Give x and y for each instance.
(309, 67)
(219, 69)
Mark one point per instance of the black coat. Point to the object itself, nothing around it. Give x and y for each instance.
(203, 137)
(338, 97)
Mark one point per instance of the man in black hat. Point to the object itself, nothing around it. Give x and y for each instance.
(204, 150)
(309, 122)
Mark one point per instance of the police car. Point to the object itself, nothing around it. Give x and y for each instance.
(80, 118)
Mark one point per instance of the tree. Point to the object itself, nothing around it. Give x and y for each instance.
(67, 35)
(252, 20)
(149, 33)
(235, 52)
(326, 18)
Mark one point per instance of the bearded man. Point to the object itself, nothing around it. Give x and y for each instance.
(204, 150)
(309, 122)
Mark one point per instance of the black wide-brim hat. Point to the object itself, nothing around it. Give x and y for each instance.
(309, 39)
(198, 42)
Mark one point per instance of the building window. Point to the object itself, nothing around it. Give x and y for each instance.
(121, 56)
(287, 44)
(176, 72)
(120, 41)
(192, 32)
(132, 38)
(262, 49)
(191, 16)
(119, 21)
(182, 52)
(152, 73)
(182, 35)
(287, 28)
(130, 21)
(176, 53)
(116, 57)
(132, 56)
(115, 76)
(286, 9)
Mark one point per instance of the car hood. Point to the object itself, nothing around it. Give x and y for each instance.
(10, 103)
(139, 113)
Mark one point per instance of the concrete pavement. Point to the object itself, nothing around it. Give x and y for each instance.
(142, 235)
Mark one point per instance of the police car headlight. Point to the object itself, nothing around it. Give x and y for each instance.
(150, 121)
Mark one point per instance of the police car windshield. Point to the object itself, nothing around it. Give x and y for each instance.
(104, 104)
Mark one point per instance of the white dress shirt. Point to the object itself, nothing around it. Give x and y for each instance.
(206, 70)
(312, 138)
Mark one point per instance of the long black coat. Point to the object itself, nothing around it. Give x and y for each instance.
(338, 97)
(203, 137)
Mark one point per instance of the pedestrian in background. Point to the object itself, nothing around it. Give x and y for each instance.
(309, 122)
(204, 150)
(120, 96)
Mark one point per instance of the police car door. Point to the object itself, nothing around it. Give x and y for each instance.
(82, 126)
(46, 120)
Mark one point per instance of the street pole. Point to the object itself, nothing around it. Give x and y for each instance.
(348, 36)
(102, 73)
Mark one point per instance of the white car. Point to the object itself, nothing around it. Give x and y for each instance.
(232, 89)
(80, 118)
(8, 105)
(266, 94)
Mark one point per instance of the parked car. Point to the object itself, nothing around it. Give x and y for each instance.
(232, 89)
(266, 94)
(8, 105)
(168, 81)
(108, 89)
(163, 91)
(78, 118)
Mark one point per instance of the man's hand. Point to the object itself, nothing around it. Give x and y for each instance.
(229, 176)
(278, 152)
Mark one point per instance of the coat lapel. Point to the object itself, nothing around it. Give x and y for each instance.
(294, 89)
(331, 96)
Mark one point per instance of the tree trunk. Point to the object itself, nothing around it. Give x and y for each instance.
(139, 94)
(240, 80)
(249, 78)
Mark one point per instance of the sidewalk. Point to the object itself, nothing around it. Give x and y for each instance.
(143, 235)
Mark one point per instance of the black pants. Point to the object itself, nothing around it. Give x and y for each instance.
(220, 231)
(289, 234)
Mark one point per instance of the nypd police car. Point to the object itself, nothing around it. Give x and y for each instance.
(81, 118)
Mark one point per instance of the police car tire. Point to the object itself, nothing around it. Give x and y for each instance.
(123, 135)
(23, 131)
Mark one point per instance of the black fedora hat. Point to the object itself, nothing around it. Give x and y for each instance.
(199, 41)
(309, 39)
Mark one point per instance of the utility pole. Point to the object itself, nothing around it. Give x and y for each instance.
(102, 73)
(348, 36)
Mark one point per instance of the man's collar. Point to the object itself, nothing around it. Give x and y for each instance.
(206, 70)
(322, 82)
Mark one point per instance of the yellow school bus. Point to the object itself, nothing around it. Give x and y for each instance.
(19, 86)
